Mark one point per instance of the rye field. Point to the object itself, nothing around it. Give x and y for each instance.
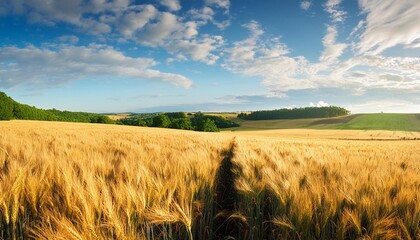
(90, 181)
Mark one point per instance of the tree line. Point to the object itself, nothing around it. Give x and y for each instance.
(180, 120)
(10, 109)
(295, 113)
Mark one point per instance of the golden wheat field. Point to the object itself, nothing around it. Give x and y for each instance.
(88, 181)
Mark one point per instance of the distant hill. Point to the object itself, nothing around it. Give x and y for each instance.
(373, 121)
(10, 109)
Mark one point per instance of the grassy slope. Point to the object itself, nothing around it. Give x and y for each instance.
(388, 121)
(380, 121)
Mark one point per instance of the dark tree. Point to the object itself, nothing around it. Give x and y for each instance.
(295, 113)
(220, 122)
(174, 115)
(207, 125)
(161, 120)
(6, 107)
(181, 123)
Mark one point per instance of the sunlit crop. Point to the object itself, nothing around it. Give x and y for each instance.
(86, 181)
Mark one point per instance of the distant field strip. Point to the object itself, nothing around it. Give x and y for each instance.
(90, 181)
(383, 121)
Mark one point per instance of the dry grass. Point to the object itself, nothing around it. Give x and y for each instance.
(86, 181)
(229, 116)
(118, 116)
(314, 134)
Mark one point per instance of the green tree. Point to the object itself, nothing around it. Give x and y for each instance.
(174, 115)
(181, 123)
(161, 120)
(6, 107)
(100, 119)
(141, 123)
(296, 113)
(207, 125)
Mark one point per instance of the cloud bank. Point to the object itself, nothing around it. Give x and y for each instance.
(49, 66)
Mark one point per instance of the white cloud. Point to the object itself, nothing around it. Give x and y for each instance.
(156, 33)
(356, 30)
(172, 5)
(205, 14)
(319, 104)
(406, 65)
(132, 21)
(180, 38)
(268, 60)
(305, 5)
(332, 7)
(332, 50)
(50, 66)
(125, 21)
(254, 28)
(280, 72)
(198, 50)
(69, 38)
(388, 24)
(75, 12)
(219, 3)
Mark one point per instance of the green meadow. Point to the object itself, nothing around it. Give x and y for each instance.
(372, 121)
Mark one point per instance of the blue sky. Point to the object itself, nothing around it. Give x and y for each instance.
(211, 55)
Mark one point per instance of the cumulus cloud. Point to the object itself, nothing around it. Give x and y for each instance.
(180, 38)
(207, 14)
(172, 5)
(126, 20)
(332, 7)
(384, 24)
(74, 12)
(319, 104)
(219, 3)
(378, 72)
(134, 20)
(305, 5)
(268, 60)
(388, 24)
(51, 66)
(407, 65)
(254, 28)
(156, 33)
(198, 50)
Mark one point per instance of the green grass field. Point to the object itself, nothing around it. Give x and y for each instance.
(374, 121)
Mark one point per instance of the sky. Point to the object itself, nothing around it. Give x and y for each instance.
(211, 55)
